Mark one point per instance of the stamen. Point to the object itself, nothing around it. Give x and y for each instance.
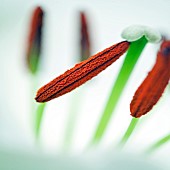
(81, 72)
(153, 86)
(34, 40)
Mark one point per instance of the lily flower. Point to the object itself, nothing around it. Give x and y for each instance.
(152, 88)
(138, 36)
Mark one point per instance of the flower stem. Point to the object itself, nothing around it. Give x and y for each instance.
(130, 61)
(128, 132)
(158, 144)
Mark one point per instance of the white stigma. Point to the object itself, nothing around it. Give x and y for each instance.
(135, 32)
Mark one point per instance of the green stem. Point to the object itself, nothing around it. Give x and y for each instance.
(130, 61)
(158, 144)
(129, 131)
(38, 118)
(70, 126)
(37, 109)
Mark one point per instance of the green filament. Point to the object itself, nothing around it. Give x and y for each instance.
(38, 120)
(161, 142)
(129, 131)
(130, 61)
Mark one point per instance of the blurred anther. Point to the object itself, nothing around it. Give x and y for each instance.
(150, 91)
(84, 37)
(35, 40)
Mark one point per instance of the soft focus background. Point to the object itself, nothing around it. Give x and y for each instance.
(106, 21)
